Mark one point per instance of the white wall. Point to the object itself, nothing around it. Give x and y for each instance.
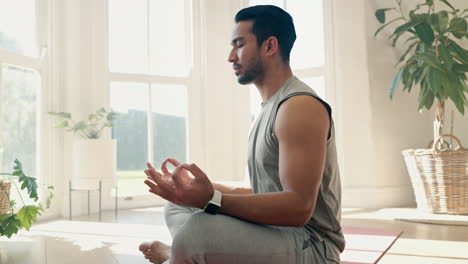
(374, 129)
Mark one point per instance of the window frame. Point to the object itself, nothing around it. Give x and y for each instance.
(192, 82)
(40, 64)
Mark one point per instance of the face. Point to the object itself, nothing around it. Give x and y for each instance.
(245, 54)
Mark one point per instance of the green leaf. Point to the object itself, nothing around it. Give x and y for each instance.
(421, 97)
(446, 59)
(395, 83)
(426, 97)
(18, 166)
(448, 4)
(395, 39)
(420, 18)
(9, 225)
(380, 14)
(405, 27)
(12, 205)
(79, 126)
(435, 83)
(91, 117)
(458, 27)
(26, 182)
(409, 39)
(455, 92)
(421, 74)
(61, 114)
(439, 21)
(62, 124)
(28, 215)
(428, 100)
(431, 60)
(383, 26)
(429, 2)
(425, 33)
(410, 47)
(460, 67)
(458, 52)
(112, 116)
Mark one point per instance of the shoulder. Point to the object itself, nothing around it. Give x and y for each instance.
(302, 115)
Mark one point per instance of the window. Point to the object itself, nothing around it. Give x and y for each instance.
(308, 53)
(21, 69)
(150, 64)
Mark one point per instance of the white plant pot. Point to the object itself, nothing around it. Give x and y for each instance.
(94, 160)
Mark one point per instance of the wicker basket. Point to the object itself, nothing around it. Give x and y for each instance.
(4, 196)
(440, 177)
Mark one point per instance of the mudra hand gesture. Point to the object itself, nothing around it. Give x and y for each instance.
(179, 186)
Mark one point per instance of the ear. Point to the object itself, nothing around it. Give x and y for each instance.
(271, 46)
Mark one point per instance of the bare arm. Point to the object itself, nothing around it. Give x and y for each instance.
(226, 189)
(301, 127)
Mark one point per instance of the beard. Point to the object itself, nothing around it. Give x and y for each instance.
(252, 73)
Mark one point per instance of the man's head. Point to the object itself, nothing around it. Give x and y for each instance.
(261, 31)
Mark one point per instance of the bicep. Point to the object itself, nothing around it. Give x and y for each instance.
(301, 126)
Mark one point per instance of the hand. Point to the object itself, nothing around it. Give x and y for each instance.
(178, 187)
(166, 175)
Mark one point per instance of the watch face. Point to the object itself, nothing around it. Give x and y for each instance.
(211, 208)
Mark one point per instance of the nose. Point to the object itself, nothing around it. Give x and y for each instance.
(232, 56)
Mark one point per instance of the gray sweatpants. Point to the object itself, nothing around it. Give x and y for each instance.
(202, 238)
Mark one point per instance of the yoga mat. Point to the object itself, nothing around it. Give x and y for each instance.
(366, 245)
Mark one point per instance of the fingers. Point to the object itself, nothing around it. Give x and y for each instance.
(152, 173)
(154, 188)
(157, 178)
(164, 168)
(177, 177)
(163, 193)
(196, 171)
(174, 162)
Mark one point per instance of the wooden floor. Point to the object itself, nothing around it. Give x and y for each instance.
(115, 240)
(419, 242)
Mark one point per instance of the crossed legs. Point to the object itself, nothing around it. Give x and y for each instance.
(202, 238)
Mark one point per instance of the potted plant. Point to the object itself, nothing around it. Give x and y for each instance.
(10, 220)
(94, 158)
(435, 62)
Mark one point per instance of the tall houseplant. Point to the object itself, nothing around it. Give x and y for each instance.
(94, 158)
(433, 60)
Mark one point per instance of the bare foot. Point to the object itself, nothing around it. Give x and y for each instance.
(156, 252)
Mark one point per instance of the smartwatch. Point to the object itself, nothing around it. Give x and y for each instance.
(213, 206)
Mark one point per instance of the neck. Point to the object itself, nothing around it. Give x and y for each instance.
(273, 79)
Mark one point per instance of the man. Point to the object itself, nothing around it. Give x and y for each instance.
(292, 212)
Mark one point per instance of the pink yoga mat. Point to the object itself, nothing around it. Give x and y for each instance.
(366, 245)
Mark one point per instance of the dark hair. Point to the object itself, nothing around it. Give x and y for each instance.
(269, 20)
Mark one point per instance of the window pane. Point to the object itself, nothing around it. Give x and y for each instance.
(170, 37)
(18, 26)
(169, 113)
(317, 84)
(308, 50)
(128, 36)
(131, 133)
(18, 123)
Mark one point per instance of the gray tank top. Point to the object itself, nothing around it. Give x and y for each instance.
(263, 160)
